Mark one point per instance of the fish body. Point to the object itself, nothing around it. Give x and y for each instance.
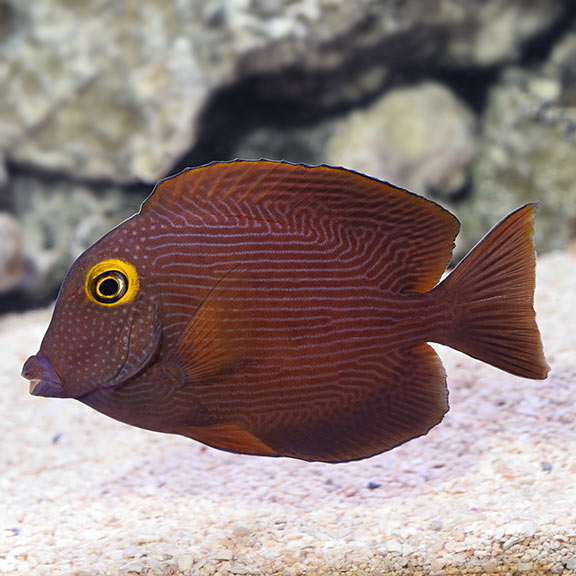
(284, 310)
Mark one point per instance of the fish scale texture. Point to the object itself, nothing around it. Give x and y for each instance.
(491, 490)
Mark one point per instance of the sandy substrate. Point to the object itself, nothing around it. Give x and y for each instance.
(492, 490)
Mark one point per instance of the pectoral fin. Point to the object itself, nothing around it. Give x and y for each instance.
(210, 348)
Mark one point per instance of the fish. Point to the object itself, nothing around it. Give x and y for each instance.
(276, 309)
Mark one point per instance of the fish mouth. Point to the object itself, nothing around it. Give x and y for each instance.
(44, 380)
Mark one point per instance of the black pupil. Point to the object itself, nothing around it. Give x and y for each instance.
(109, 287)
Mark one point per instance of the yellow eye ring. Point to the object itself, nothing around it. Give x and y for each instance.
(111, 282)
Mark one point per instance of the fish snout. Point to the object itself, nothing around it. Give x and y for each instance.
(44, 380)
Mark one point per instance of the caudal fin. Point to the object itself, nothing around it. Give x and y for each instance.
(491, 293)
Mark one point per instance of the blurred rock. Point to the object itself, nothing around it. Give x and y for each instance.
(562, 65)
(60, 222)
(495, 32)
(99, 89)
(11, 253)
(422, 138)
(376, 39)
(528, 151)
(115, 90)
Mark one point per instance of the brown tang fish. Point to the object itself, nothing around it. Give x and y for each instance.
(284, 310)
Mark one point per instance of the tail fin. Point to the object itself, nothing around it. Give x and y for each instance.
(492, 292)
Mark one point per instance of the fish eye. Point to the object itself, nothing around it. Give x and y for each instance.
(111, 282)
(109, 287)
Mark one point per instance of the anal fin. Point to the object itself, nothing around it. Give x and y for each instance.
(229, 437)
(412, 400)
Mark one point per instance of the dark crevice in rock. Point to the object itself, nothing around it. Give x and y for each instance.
(238, 110)
(5, 202)
(54, 177)
(472, 86)
(539, 48)
(18, 301)
(9, 18)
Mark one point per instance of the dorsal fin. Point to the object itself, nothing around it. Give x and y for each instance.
(419, 232)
